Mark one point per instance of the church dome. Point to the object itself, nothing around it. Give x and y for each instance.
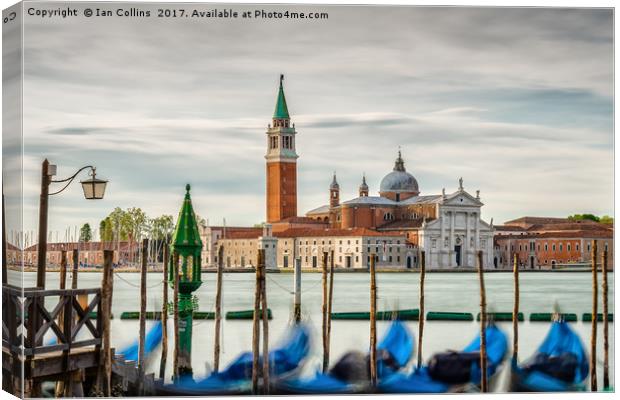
(399, 180)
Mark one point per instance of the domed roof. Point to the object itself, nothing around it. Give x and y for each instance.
(399, 180)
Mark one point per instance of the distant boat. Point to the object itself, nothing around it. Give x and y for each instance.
(284, 361)
(458, 372)
(393, 353)
(560, 364)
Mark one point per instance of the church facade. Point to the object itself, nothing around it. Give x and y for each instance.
(394, 226)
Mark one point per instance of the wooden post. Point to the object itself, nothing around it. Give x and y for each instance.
(142, 329)
(483, 322)
(593, 382)
(265, 315)
(107, 286)
(164, 315)
(329, 304)
(297, 301)
(324, 314)
(373, 323)
(42, 243)
(175, 301)
(74, 276)
(62, 384)
(421, 317)
(515, 311)
(255, 325)
(218, 309)
(605, 325)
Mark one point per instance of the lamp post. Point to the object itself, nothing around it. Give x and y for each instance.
(93, 188)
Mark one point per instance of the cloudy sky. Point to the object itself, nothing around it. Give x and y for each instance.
(518, 102)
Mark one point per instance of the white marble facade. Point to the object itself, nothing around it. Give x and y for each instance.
(453, 239)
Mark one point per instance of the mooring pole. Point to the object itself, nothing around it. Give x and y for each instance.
(142, 332)
(61, 385)
(265, 316)
(218, 309)
(255, 321)
(74, 276)
(373, 323)
(297, 301)
(515, 311)
(483, 325)
(421, 312)
(164, 315)
(107, 286)
(324, 312)
(330, 298)
(593, 382)
(175, 301)
(605, 325)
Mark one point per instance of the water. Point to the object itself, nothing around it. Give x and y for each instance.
(443, 292)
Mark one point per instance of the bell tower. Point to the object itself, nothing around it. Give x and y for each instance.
(281, 163)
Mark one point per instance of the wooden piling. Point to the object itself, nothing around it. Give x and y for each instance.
(62, 384)
(107, 286)
(605, 324)
(74, 276)
(255, 321)
(515, 311)
(175, 301)
(218, 309)
(324, 315)
(264, 308)
(142, 329)
(330, 298)
(593, 382)
(373, 323)
(297, 300)
(484, 387)
(164, 315)
(421, 317)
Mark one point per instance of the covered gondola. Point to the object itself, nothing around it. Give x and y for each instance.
(152, 339)
(284, 361)
(560, 364)
(452, 371)
(351, 373)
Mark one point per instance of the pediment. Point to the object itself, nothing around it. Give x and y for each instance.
(462, 198)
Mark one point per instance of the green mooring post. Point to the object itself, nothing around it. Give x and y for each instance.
(186, 247)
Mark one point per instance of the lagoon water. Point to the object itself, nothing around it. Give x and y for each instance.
(443, 292)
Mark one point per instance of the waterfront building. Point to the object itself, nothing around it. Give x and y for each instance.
(89, 253)
(447, 226)
(550, 243)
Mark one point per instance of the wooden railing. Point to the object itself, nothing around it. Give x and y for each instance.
(58, 311)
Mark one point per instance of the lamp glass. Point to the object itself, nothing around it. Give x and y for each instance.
(94, 188)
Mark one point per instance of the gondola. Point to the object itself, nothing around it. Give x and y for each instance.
(284, 361)
(350, 374)
(452, 371)
(560, 364)
(151, 340)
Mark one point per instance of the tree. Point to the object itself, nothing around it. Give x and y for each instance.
(582, 217)
(606, 219)
(86, 234)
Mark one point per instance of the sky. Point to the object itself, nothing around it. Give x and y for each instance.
(517, 101)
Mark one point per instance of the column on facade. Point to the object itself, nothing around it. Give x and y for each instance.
(467, 239)
(442, 244)
(477, 238)
(451, 249)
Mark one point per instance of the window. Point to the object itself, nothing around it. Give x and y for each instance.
(546, 247)
(434, 243)
(577, 247)
(553, 247)
(568, 247)
(390, 259)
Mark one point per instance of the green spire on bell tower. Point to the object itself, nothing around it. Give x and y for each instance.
(281, 111)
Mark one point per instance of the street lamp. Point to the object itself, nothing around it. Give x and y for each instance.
(93, 190)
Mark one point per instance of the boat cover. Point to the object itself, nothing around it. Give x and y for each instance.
(397, 343)
(151, 341)
(419, 381)
(560, 341)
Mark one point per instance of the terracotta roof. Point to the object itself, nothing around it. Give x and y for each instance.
(508, 228)
(243, 233)
(305, 232)
(536, 220)
(581, 234)
(299, 220)
(403, 224)
(85, 246)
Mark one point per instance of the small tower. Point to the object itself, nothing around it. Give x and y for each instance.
(364, 187)
(186, 248)
(334, 193)
(281, 163)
